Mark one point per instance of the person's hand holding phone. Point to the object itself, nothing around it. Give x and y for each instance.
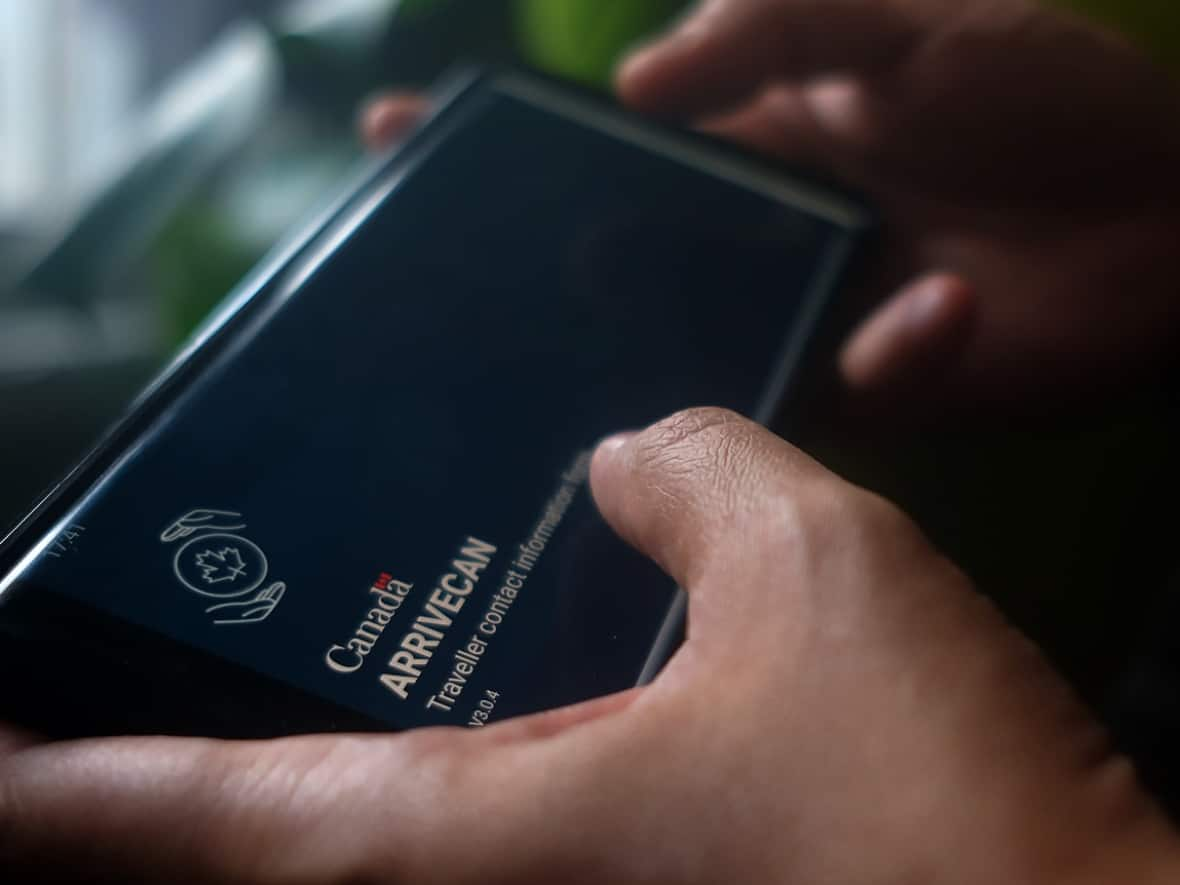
(1030, 160)
(1026, 165)
(845, 709)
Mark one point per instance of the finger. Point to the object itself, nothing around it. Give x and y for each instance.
(316, 809)
(174, 810)
(780, 123)
(729, 50)
(686, 490)
(388, 118)
(833, 124)
(325, 808)
(913, 338)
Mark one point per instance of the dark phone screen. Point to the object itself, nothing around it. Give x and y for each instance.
(378, 494)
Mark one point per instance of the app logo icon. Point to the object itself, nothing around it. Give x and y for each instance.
(221, 565)
(217, 564)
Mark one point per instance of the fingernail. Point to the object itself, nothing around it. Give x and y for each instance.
(606, 460)
(610, 446)
(927, 306)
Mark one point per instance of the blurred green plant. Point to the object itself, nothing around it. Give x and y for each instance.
(1153, 25)
(188, 286)
(584, 39)
(333, 58)
(330, 60)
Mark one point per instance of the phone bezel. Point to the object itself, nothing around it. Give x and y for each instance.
(278, 275)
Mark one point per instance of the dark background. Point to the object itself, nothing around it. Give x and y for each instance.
(130, 206)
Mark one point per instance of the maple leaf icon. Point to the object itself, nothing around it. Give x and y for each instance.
(221, 565)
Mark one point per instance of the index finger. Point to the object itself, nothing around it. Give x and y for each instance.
(388, 117)
(321, 808)
(728, 50)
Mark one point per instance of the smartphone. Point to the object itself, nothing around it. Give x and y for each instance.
(358, 499)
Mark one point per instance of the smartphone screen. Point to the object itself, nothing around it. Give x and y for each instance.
(374, 492)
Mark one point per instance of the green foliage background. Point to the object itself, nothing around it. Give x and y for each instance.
(583, 39)
(1152, 24)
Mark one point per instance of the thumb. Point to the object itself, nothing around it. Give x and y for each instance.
(684, 490)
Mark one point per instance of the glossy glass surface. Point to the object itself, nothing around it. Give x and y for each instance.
(394, 441)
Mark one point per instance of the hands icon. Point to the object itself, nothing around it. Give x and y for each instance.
(249, 611)
(201, 521)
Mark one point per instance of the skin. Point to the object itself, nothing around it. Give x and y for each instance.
(846, 708)
(1024, 164)
(1022, 153)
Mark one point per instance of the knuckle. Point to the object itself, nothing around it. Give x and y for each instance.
(886, 536)
(708, 448)
(689, 424)
(689, 437)
(841, 518)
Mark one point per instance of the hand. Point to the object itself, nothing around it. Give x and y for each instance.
(845, 710)
(1027, 167)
